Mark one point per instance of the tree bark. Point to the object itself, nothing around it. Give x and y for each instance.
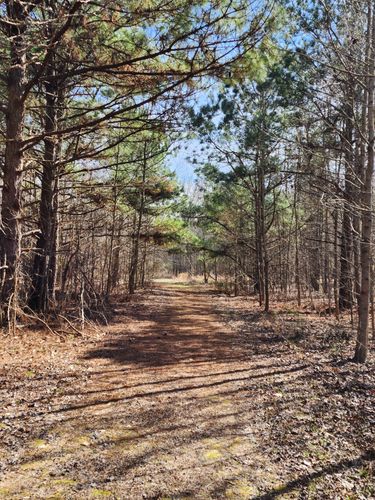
(137, 231)
(10, 234)
(44, 261)
(361, 350)
(346, 278)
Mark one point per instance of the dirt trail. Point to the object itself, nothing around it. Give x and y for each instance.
(168, 405)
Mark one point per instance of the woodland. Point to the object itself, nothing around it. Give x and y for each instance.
(167, 339)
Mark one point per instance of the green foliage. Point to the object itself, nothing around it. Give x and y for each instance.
(174, 234)
(241, 167)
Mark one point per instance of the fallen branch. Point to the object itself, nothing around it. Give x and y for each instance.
(33, 315)
(79, 333)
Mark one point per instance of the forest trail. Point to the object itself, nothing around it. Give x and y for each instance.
(167, 405)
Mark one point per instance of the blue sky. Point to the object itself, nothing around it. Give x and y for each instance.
(188, 147)
(179, 160)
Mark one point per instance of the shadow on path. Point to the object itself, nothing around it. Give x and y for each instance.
(180, 330)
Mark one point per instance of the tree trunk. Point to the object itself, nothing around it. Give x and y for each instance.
(137, 232)
(43, 267)
(366, 199)
(10, 235)
(296, 241)
(346, 278)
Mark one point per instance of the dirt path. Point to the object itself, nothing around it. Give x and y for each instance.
(169, 405)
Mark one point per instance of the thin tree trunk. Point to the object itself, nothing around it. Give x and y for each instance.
(137, 231)
(110, 273)
(296, 241)
(366, 198)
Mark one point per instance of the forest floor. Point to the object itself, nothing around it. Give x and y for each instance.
(188, 394)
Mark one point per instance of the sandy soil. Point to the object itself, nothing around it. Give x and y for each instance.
(185, 395)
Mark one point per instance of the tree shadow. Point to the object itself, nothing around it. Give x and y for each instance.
(178, 332)
(180, 383)
(305, 480)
